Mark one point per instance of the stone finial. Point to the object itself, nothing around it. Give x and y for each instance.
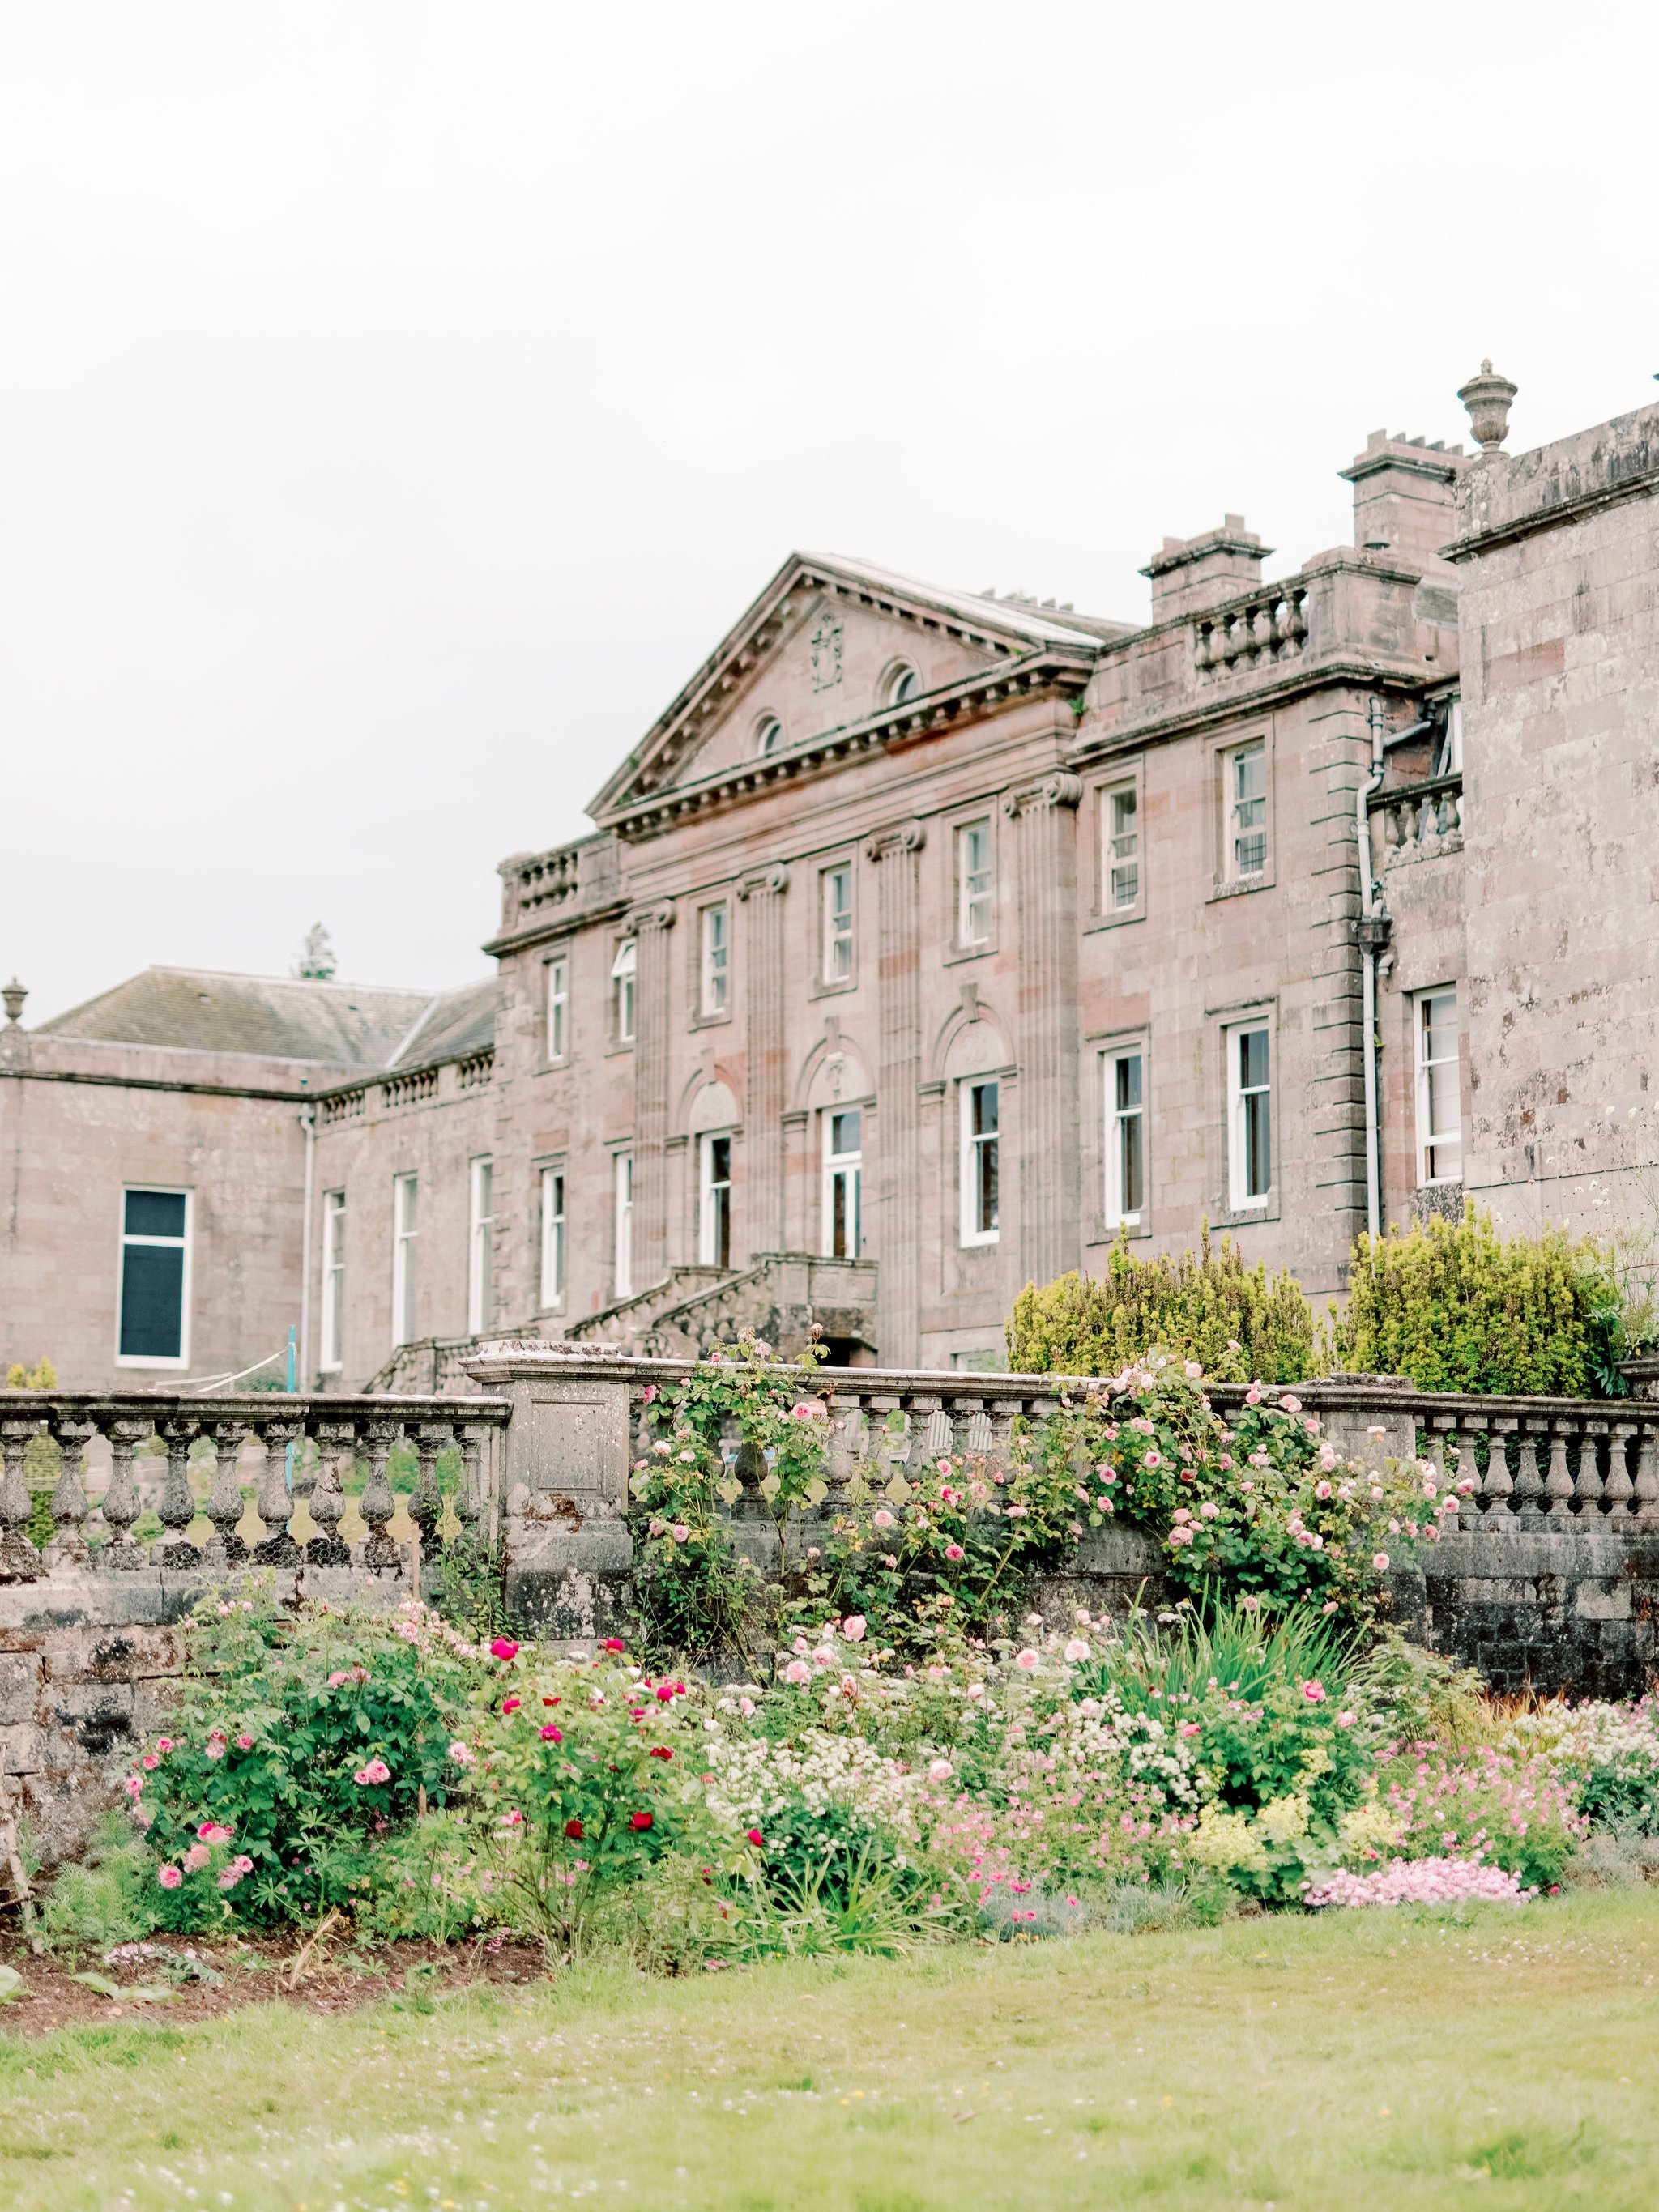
(1489, 398)
(14, 995)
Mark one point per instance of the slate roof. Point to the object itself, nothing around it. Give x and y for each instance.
(350, 1026)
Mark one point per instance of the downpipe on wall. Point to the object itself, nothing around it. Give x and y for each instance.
(1372, 932)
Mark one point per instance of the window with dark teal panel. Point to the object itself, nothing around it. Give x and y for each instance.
(152, 1234)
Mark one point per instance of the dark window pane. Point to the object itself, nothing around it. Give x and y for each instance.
(720, 1159)
(152, 1301)
(986, 1195)
(1258, 1166)
(155, 1213)
(845, 1130)
(840, 1245)
(984, 1108)
(1129, 1127)
(1128, 1081)
(1252, 1059)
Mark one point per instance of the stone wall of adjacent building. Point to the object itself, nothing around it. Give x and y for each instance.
(1559, 554)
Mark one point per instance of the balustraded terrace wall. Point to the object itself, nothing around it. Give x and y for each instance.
(90, 1648)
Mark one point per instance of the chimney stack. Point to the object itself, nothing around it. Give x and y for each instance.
(1403, 490)
(1192, 574)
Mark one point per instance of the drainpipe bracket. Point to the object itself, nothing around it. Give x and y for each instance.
(1372, 931)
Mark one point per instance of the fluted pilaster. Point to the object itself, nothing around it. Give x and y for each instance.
(763, 894)
(650, 925)
(895, 1185)
(1043, 819)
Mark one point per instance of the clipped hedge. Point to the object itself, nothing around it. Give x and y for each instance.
(1242, 1324)
(1455, 1306)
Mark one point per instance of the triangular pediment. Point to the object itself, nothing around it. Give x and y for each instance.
(829, 645)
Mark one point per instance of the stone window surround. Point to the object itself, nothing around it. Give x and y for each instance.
(820, 987)
(617, 1150)
(150, 1359)
(564, 949)
(1112, 776)
(699, 902)
(987, 808)
(543, 1164)
(1219, 750)
(1222, 1021)
(618, 935)
(1107, 1045)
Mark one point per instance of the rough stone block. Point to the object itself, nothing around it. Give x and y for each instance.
(20, 1687)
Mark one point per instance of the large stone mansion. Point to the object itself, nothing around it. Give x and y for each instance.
(930, 941)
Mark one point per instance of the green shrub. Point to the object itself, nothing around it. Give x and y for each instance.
(1454, 1306)
(109, 1898)
(1242, 1324)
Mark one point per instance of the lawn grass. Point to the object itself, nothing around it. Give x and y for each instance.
(1355, 2063)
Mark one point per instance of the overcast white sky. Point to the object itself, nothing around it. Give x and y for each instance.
(397, 401)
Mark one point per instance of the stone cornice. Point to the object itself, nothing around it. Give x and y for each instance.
(1049, 670)
(1241, 700)
(25, 1074)
(1555, 517)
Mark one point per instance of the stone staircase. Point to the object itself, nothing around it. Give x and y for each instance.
(695, 1310)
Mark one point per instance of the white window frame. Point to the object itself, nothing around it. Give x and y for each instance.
(1240, 1198)
(186, 1242)
(837, 924)
(332, 1350)
(480, 1242)
(977, 886)
(903, 684)
(768, 735)
(709, 1189)
(624, 978)
(1119, 1213)
(558, 1006)
(974, 1143)
(1121, 868)
(622, 1269)
(847, 1166)
(714, 953)
(553, 1249)
(1235, 831)
(1431, 1141)
(405, 1256)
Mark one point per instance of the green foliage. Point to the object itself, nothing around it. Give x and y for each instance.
(465, 1584)
(1453, 1306)
(582, 1779)
(1240, 1324)
(300, 1743)
(43, 1375)
(107, 1897)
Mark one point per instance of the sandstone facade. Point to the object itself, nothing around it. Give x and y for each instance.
(931, 939)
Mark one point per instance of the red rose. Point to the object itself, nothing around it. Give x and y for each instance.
(574, 1829)
(639, 1821)
(552, 1734)
(504, 1647)
(661, 1751)
(552, 1701)
(613, 1643)
(510, 1704)
(754, 1835)
(665, 1691)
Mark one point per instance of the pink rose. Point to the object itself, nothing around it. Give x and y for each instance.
(1314, 1692)
(134, 1786)
(1380, 1561)
(1026, 1659)
(798, 1671)
(680, 1533)
(230, 1876)
(953, 1552)
(853, 1626)
(463, 1755)
(884, 1519)
(1322, 1490)
(245, 1743)
(503, 1648)
(242, 1862)
(214, 1832)
(196, 1857)
(169, 1877)
(164, 1744)
(375, 1771)
(939, 1769)
(1076, 1652)
(337, 1681)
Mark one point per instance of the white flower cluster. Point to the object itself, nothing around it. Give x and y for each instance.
(755, 1779)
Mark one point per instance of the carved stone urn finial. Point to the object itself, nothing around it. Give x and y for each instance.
(1489, 398)
(14, 995)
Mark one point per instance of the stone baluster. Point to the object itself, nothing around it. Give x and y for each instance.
(1647, 1476)
(1433, 1450)
(178, 1507)
(919, 1418)
(841, 1461)
(1528, 1482)
(225, 1548)
(472, 1508)
(68, 1546)
(336, 1444)
(976, 1435)
(277, 1548)
(377, 1505)
(1620, 1489)
(1587, 1490)
(1002, 1421)
(748, 1467)
(1558, 1485)
(426, 1507)
(19, 1560)
(121, 1507)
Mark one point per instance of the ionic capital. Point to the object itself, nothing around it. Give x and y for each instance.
(658, 915)
(898, 837)
(775, 880)
(1062, 789)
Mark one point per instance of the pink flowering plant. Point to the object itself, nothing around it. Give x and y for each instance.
(301, 1741)
(740, 1411)
(1509, 1807)
(1256, 1505)
(579, 1775)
